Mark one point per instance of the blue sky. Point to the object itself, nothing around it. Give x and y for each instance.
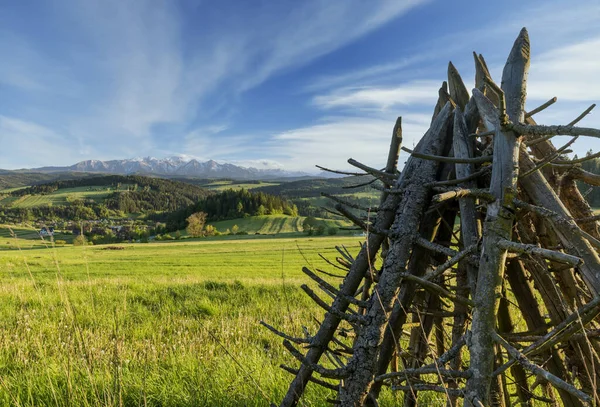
(266, 83)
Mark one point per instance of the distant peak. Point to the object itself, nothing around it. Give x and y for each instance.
(182, 165)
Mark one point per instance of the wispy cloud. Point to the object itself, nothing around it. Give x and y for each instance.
(30, 144)
(366, 74)
(137, 66)
(417, 93)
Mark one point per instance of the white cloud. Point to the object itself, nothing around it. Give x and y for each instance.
(264, 164)
(569, 72)
(417, 93)
(332, 143)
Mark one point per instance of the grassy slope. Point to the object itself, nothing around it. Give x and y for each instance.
(271, 224)
(58, 197)
(155, 324)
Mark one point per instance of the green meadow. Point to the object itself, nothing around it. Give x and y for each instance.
(58, 197)
(160, 324)
(274, 224)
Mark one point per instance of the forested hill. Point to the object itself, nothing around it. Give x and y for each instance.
(155, 184)
(232, 204)
(99, 197)
(133, 193)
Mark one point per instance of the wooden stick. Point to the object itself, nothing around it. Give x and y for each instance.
(463, 193)
(356, 174)
(542, 107)
(474, 160)
(549, 159)
(339, 373)
(457, 89)
(351, 318)
(322, 383)
(548, 254)
(577, 160)
(538, 371)
(373, 171)
(500, 217)
(277, 332)
(428, 285)
(539, 130)
(356, 388)
(450, 262)
(351, 283)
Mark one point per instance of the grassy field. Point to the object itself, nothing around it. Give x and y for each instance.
(59, 197)
(272, 224)
(9, 190)
(165, 324)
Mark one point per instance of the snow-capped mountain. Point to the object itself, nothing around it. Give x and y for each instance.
(174, 166)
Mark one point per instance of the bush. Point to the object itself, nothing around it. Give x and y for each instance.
(60, 242)
(210, 230)
(332, 231)
(80, 240)
(243, 232)
(321, 230)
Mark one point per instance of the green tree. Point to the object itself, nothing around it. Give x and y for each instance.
(80, 241)
(196, 222)
(235, 229)
(309, 224)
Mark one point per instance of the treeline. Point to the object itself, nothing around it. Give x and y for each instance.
(117, 181)
(77, 212)
(16, 179)
(232, 204)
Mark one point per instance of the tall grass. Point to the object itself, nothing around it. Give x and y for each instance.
(154, 325)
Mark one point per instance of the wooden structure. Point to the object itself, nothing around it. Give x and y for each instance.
(480, 276)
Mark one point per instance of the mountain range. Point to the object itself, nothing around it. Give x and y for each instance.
(173, 167)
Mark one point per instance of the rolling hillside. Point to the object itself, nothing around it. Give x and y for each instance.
(59, 197)
(273, 224)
